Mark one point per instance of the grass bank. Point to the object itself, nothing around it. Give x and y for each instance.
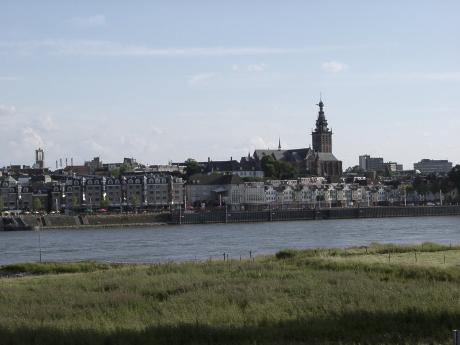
(379, 294)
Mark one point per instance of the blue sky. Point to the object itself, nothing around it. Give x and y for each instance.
(168, 80)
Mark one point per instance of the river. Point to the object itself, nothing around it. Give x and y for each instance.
(201, 242)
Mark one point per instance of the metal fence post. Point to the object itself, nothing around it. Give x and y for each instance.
(456, 337)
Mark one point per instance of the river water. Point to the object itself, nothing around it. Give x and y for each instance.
(201, 242)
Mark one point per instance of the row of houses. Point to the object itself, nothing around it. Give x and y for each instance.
(159, 191)
(62, 192)
(304, 192)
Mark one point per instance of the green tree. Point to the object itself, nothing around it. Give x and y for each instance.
(278, 169)
(135, 202)
(37, 204)
(105, 203)
(75, 202)
(285, 170)
(454, 177)
(191, 167)
(268, 167)
(117, 172)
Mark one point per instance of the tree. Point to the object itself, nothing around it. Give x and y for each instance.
(277, 169)
(134, 200)
(105, 203)
(75, 202)
(37, 204)
(285, 170)
(268, 166)
(117, 172)
(454, 176)
(191, 167)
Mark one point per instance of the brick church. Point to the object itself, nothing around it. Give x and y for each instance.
(317, 160)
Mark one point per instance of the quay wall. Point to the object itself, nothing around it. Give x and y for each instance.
(25, 222)
(57, 221)
(312, 214)
(121, 219)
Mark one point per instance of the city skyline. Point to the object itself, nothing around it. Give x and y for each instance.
(122, 81)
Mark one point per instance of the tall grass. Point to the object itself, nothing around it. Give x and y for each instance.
(319, 296)
(57, 267)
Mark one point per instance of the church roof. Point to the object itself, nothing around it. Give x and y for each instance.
(294, 155)
(277, 154)
(326, 156)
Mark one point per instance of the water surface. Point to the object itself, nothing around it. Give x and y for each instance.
(190, 242)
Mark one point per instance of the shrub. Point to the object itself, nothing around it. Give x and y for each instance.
(285, 254)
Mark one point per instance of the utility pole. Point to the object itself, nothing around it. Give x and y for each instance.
(39, 244)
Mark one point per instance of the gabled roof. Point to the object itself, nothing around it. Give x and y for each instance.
(294, 155)
(276, 154)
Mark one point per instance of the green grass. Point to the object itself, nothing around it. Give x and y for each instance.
(57, 267)
(316, 296)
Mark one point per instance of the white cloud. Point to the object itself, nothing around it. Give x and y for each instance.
(156, 130)
(97, 20)
(200, 79)
(333, 66)
(258, 67)
(260, 143)
(110, 48)
(47, 123)
(94, 146)
(32, 139)
(7, 110)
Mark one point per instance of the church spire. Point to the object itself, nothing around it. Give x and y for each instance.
(321, 135)
(321, 122)
(279, 143)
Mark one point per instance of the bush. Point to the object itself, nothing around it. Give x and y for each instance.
(285, 254)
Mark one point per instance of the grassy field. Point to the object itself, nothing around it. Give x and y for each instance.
(381, 294)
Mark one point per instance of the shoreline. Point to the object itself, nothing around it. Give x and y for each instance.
(99, 226)
(64, 222)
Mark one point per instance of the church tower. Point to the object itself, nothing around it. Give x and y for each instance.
(322, 135)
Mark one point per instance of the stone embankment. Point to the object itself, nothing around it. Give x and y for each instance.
(52, 221)
(28, 222)
(312, 214)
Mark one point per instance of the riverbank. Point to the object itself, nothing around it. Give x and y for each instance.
(50, 221)
(286, 214)
(380, 294)
(90, 221)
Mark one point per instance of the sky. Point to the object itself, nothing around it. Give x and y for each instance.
(164, 81)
